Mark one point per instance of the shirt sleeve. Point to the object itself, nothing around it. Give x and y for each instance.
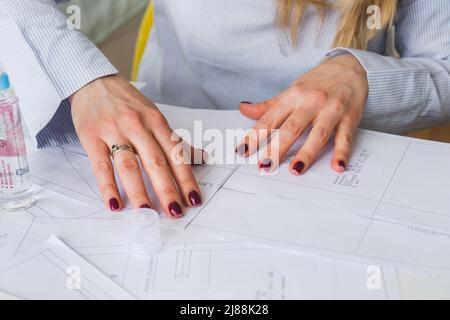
(47, 62)
(412, 92)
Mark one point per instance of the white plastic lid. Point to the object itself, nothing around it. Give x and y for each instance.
(143, 233)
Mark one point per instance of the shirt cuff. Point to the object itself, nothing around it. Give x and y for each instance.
(47, 63)
(70, 60)
(60, 130)
(72, 64)
(397, 91)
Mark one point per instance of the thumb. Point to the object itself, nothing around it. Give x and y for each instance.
(255, 110)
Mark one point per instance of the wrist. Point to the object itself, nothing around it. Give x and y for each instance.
(90, 85)
(350, 62)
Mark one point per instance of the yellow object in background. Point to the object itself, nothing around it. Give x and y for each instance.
(141, 42)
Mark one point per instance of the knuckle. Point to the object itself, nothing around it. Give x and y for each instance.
(108, 188)
(176, 139)
(353, 118)
(103, 167)
(129, 165)
(337, 106)
(347, 139)
(155, 116)
(169, 192)
(297, 89)
(188, 182)
(159, 161)
(131, 118)
(317, 96)
(292, 126)
(140, 194)
(307, 155)
(106, 126)
(267, 122)
(323, 134)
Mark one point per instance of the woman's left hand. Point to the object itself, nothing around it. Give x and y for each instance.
(330, 98)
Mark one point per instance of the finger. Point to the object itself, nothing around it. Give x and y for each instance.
(130, 174)
(174, 149)
(263, 129)
(317, 139)
(99, 156)
(200, 154)
(196, 156)
(255, 110)
(154, 119)
(158, 170)
(343, 145)
(282, 141)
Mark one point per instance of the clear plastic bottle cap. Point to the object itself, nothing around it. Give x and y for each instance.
(5, 84)
(143, 233)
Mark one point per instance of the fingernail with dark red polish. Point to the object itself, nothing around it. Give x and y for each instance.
(145, 206)
(175, 210)
(246, 102)
(194, 198)
(242, 149)
(265, 164)
(299, 167)
(114, 204)
(342, 164)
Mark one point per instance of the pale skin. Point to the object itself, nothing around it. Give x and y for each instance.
(108, 111)
(330, 98)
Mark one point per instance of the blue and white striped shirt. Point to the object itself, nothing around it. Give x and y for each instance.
(215, 53)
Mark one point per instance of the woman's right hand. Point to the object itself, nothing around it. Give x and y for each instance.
(110, 111)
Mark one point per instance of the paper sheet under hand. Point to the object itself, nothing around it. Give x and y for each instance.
(387, 207)
(196, 266)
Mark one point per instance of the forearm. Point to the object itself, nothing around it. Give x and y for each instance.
(404, 94)
(412, 92)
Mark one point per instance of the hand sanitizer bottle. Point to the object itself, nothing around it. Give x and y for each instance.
(16, 192)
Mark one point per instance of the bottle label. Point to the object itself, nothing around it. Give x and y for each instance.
(14, 170)
(2, 130)
(12, 142)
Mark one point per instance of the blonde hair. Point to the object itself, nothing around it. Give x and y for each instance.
(352, 30)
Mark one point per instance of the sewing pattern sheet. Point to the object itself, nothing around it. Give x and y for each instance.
(12, 231)
(387, 206)
(69, 188)
(390, 206)
(43, 273)
(195, 266)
